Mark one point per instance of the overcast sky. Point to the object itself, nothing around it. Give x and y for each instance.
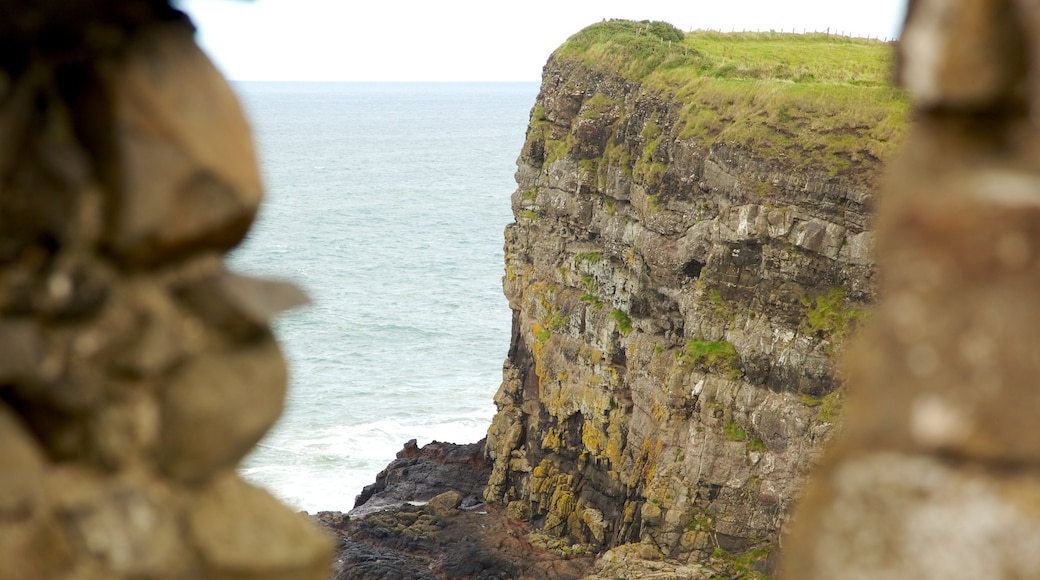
(470, 40)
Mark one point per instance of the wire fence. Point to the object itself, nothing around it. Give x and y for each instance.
(826, 32)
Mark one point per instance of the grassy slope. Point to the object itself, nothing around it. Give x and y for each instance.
(807, 101)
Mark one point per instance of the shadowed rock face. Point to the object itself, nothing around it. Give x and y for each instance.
(135, 370)
(666, 384)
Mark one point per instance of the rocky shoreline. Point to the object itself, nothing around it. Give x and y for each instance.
(425, 518)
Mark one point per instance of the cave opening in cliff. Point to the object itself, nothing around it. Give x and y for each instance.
(692, 269)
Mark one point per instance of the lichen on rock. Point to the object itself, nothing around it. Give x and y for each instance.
(677, 221)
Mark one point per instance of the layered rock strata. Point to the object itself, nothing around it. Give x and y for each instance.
(135, 370)
(678, 304)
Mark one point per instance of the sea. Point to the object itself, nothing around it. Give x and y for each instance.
(386, 203)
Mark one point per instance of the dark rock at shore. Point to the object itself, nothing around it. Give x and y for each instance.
(418, 475)
(423, 519)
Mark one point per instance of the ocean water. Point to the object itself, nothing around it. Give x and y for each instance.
(386, 203)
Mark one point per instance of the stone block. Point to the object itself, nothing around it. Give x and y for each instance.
(818, 236)
(187, 173)
(243, 532)
(239, 305)
(21, 350)
(131, 528)
(890, 515)
(22, 466)
(125, 430)
(962, 54)
(35, 549)
(444, 503)
(217, 406)
(960, 328)
(161, 334)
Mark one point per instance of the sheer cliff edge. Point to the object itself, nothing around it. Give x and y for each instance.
(692, 246)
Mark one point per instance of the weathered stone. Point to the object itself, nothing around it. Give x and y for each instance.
(954, 325)
(125, 168)
(43, 168)
(162, 334)
(122, 524)
(22, 466)
(156, 350)
(76, 285)
(218, 406)
(132, 529)
(71, 376)
(188, 176)
(21, 350)
(819, 236)
(935, 473)
(240, 305)
(963, 54)
(890, 515)
(126, 430)
(632, 561)
(243, 532)
(859, 248)
(421, 474)
(519, 510)
(35, 549)
(443, 503)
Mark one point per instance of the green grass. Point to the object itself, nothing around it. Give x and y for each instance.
(590, 257)
(718, 356)
(739, 565)
(757, 445)
(592, 299)
(588, 295)
(700, 522)
(734, 432)
(802, 100)
(831, 316)
(828, 406)
(624, 323)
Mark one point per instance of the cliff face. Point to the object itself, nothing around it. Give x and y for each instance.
(679, 296)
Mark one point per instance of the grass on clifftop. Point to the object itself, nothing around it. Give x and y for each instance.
(802, 99)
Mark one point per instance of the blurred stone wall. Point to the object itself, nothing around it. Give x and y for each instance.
(937, 472)
(135, 370)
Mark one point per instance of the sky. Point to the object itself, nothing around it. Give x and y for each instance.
(471, 40)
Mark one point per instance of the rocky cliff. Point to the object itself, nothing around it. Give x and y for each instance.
(692, 244)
